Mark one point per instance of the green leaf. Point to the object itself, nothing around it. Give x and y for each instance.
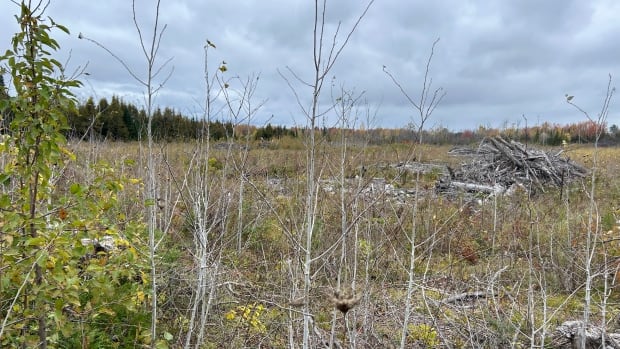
(168, 336)
(37, 241)
(62, 27)
(42, 258)
(161, 344)
(76, 189)
(5, 201)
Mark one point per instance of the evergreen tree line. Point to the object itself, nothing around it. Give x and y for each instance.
(118, 120)
(121, 121)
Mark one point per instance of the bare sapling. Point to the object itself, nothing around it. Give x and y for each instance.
(424, 107)
(593, 229)
(241, 109)
(204, 194)
(150, 48)
(345, 107)
(324, 58)
(363, 231)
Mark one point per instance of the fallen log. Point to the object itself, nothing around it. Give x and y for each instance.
(465, 298)
(480, 188)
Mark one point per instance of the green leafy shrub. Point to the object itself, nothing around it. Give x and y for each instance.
(50, 279)
(424, 335)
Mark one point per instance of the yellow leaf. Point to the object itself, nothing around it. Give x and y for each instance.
(50, 263)
(139, 298)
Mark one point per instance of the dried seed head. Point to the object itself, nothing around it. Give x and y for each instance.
(344, 301)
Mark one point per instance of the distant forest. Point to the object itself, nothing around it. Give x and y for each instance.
(121, 121)
(118, 120)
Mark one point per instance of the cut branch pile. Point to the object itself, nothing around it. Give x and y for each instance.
(498, 165)
(570, 335)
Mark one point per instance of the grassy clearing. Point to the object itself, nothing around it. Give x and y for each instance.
(525, 253)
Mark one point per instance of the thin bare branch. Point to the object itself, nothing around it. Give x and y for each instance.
(294, 91)
(348, 37)
(118, 59)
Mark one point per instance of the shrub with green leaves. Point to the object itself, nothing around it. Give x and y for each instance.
(54, 290)
(424, 335)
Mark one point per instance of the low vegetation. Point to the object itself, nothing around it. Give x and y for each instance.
(251, 247)
(525, 253)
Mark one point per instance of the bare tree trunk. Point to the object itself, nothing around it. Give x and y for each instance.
(412, 257)
(593, 228)
(198, 196)
(150, 55)
(150, 47)
(345, 105)
(324, 59)
(242, 110)
(424, 109)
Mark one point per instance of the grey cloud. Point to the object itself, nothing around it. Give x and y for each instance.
(497, 60)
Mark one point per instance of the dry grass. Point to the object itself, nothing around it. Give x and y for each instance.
(526, 252)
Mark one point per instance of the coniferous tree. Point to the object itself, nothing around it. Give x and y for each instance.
(131, 118)
(114, 123)
(3, 93)
(5, 113)
(80, 121)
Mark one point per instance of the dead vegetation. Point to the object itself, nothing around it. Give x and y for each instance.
(566, 336)
(498, 165)
(461, 299)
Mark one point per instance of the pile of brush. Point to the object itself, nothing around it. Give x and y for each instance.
(498, 165)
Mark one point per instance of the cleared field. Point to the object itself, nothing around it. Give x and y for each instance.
(492, 272)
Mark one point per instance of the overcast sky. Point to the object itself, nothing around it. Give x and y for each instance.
(499, 62)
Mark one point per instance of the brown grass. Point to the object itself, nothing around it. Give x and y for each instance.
(462, 247)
